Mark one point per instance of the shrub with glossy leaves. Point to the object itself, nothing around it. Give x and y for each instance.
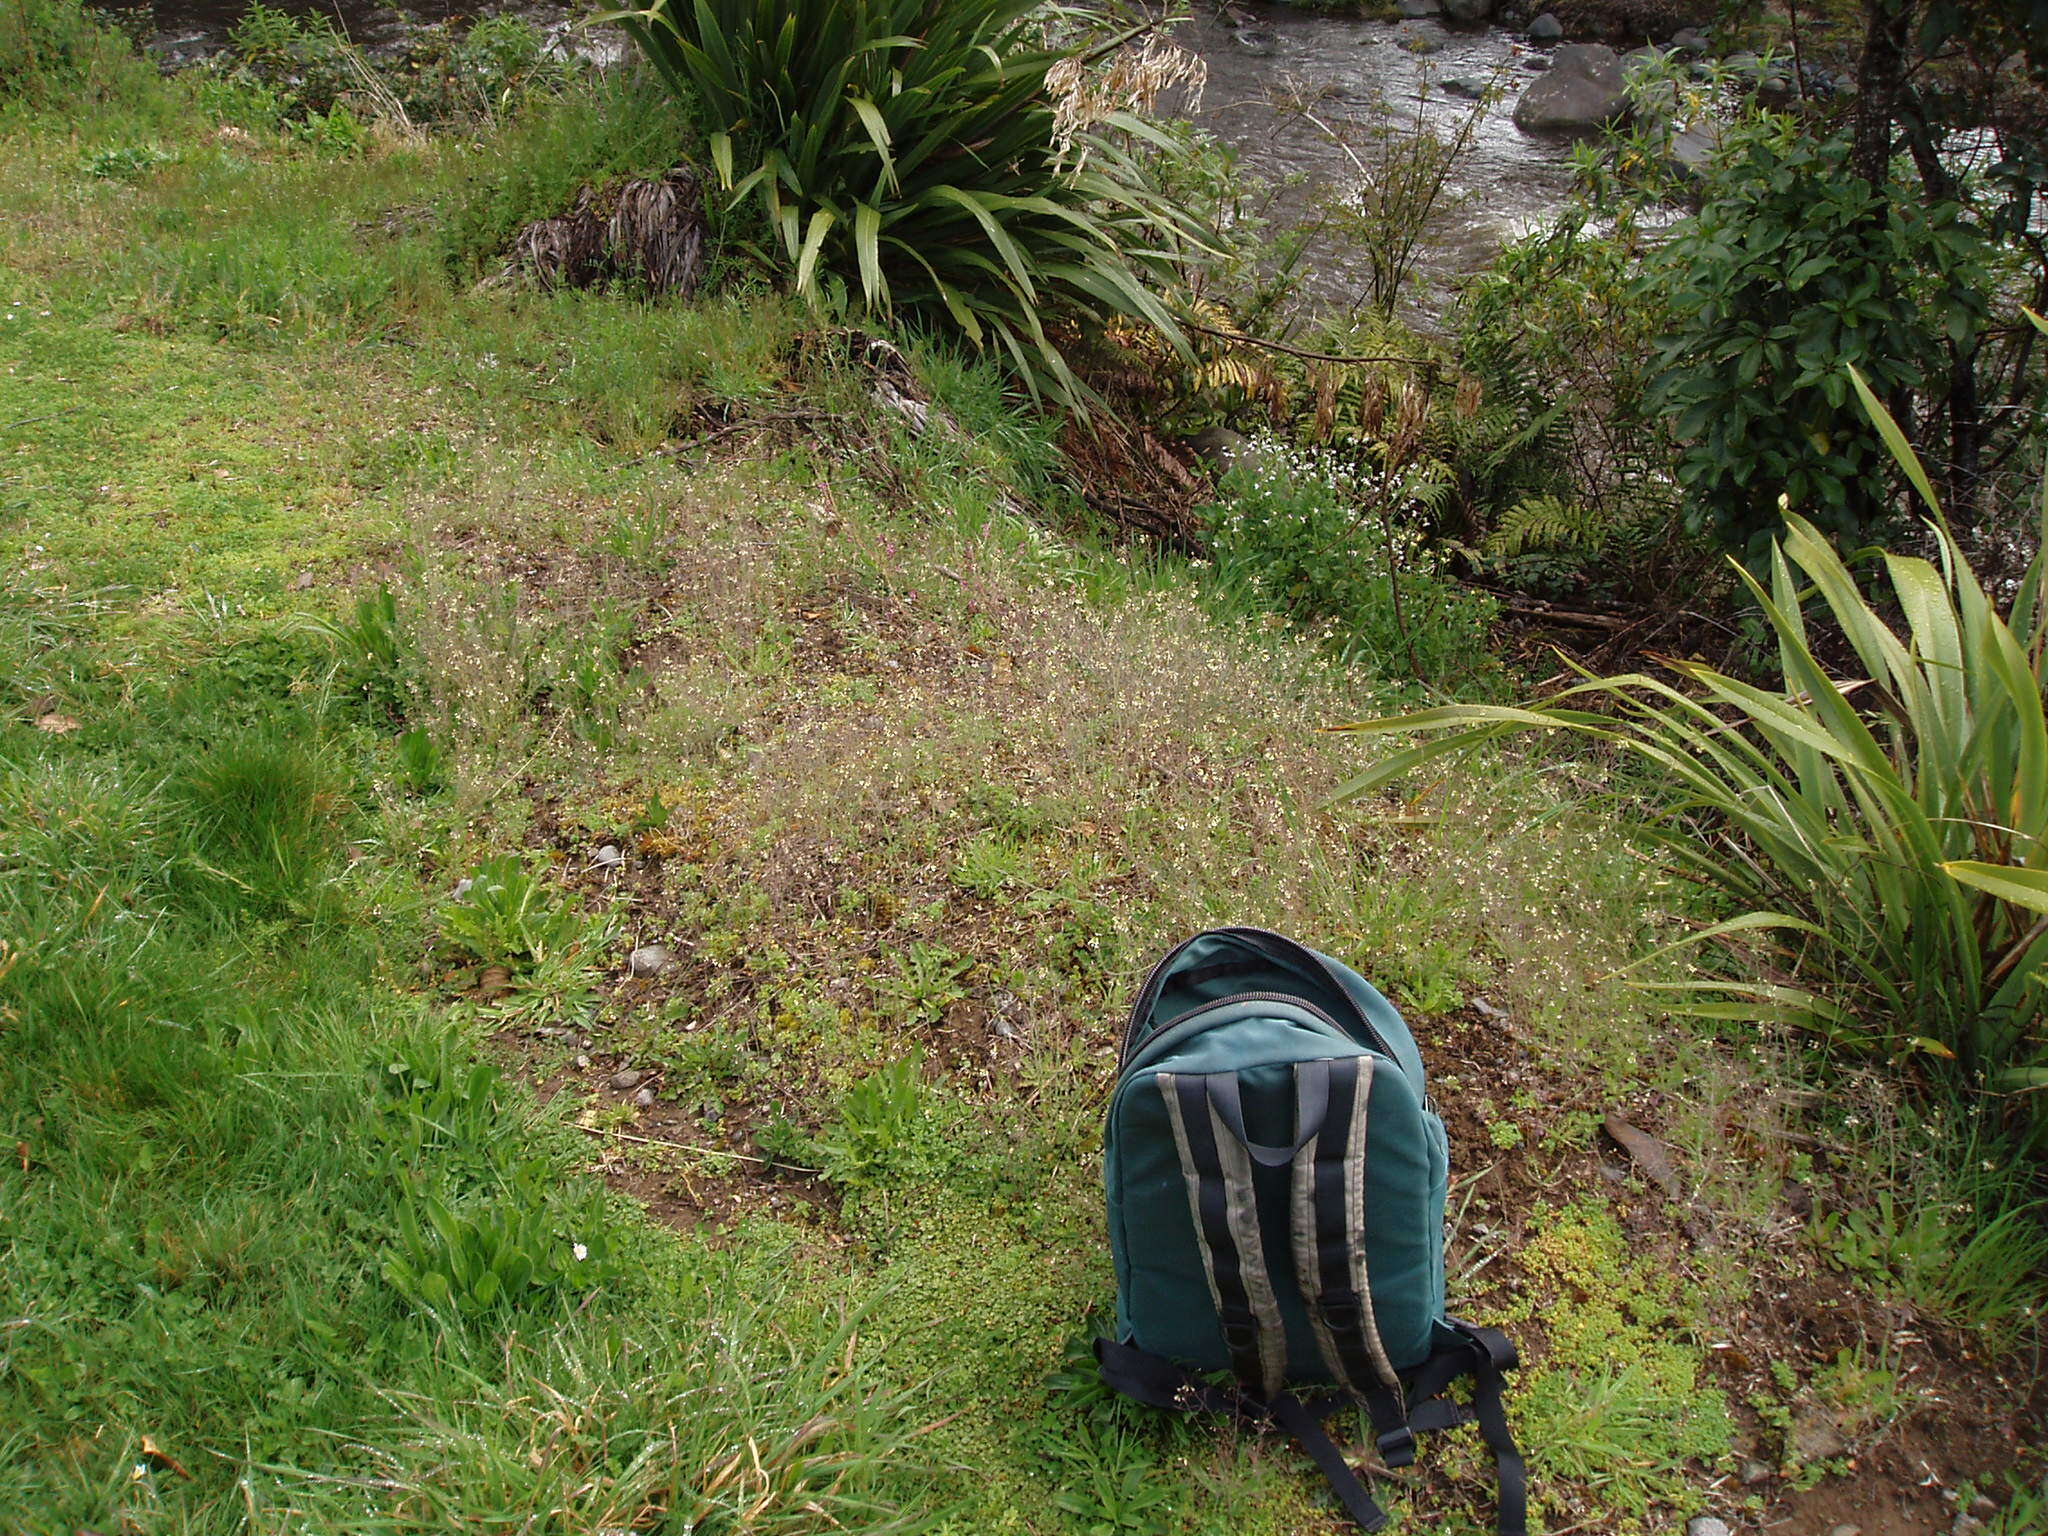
(908, 155)
(1794, 267)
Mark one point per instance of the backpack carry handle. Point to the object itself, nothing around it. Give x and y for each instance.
(1311, 1105)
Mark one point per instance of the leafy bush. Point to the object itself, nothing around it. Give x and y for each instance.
(52, 48)
(909, 153)
(1339, 549)
(1794, 267)
(1845, 816)
(1575, 482)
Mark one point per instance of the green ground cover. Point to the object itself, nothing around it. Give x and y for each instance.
(338, 579)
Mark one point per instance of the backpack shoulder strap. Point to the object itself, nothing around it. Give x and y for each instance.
(1329, 1234)
(1216, 1166)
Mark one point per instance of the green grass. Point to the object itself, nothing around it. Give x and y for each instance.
(910, 786)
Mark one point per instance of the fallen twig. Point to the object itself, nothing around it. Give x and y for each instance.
(683, 1146)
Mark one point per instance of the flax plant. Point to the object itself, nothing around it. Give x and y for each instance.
(912, 155)
(1885, 837)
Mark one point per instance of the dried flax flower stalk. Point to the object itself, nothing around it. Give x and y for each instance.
(1088, 92)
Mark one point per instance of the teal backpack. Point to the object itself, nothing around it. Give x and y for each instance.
(1276, 1176)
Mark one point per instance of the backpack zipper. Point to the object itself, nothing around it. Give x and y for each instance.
(1142, 1006)
(1124, 1055)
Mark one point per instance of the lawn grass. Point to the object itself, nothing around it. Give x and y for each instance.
(339, 580)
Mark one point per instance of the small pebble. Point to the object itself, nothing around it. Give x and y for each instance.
(649, 960)
(1754, 1472)
(1846, 1530)
(1707, 1525)
(609, 855)
(583, 1061)
(627, 1080)
(644, 1098)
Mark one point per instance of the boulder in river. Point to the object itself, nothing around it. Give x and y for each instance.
(1546, 29)
(1418, 38)
(1582, 90)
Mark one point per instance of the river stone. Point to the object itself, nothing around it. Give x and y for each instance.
(649, 960)
(1546, 29)
(1692, 149)
(1417, 39)
(644, 1098)
(626, 1081)
(1469, 13)
(1535, 63)
(1582, 90)
(1471, 87)
(1417, 10)
(1260, 45)
(1687, 40)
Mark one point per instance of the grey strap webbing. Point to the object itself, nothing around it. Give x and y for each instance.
(1328, 1224)
(1217, 1171)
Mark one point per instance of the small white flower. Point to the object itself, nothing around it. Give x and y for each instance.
(580, 1251)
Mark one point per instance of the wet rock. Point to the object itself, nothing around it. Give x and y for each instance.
(1582, 91)
(1219, 447)
(1260, 45)
(1535, 63)
(1419, 40)
(644, 1098)
(1692, 150)
(1417, 10)
(1471, 87)
(1546, 29)
(1688, 41)
(1706, 1525)
(1469, 13)
(609, 856)
(627, 1080)
(649, 960)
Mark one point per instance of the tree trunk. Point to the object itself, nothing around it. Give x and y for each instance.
(1880, 76)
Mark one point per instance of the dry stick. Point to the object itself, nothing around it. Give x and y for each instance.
(680, 1146)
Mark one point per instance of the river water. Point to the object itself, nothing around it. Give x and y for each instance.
(1266, 80)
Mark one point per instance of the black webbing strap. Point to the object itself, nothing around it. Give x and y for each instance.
(1483, 1354)
(1156, 1381)
(1305, 1424)
(1493, 1356)
(1240, 1323)
(1152, 1379)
